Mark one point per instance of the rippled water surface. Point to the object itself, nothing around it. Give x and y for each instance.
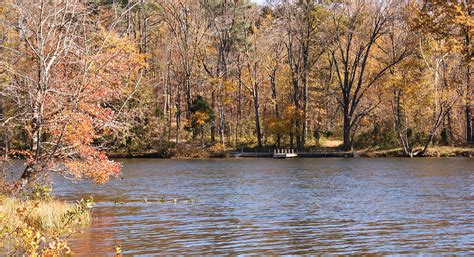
(269, 206)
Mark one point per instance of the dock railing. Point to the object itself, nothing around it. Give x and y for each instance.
(284, 151)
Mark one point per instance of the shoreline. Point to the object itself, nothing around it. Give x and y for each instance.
(435, 152)
(206, 153)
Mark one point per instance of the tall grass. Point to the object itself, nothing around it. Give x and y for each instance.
(34, 227)
(47, 215)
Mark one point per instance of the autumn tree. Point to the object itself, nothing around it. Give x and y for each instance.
(145, 75)
(451, 20)
(69, 82)
(252, 74)
(358, 28)
(227, 23)
(187, 27)
(435, 81)
(201, 116)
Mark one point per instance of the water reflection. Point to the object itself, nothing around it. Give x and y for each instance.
(282, 206)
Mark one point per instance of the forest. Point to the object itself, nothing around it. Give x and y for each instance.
(85, 81)
(81, 79)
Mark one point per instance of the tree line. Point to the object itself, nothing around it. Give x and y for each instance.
(79, 78)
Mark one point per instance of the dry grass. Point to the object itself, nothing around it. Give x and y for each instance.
(32, 227)
(450, 151)
(433, 151)
(330, 143)
(45, 215)
(395, 152)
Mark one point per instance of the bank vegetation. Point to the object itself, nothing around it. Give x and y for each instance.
(81, 79)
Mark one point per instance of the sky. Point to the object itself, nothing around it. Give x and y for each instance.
(259, 1)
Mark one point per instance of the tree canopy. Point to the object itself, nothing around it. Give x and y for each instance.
(80, 79)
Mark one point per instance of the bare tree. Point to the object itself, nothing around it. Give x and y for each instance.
(358, 28)
(188, 28)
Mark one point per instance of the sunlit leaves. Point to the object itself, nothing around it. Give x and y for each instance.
(71, 82)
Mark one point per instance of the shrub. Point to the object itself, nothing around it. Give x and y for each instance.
(217, 150)
(39, 193)
(39, 228)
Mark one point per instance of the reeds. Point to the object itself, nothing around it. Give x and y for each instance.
(31, 226)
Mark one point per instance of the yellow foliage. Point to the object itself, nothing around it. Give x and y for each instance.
(200, 118)
(217, 150)
(285, 123)
(38, 228)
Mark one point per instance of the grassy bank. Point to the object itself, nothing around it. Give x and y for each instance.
(39, 227)
(434, 151)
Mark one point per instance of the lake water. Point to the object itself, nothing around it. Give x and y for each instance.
(266, 206)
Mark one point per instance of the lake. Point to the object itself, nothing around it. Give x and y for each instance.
(266, 206)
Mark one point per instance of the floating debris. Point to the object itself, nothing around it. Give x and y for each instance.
(159, 200)
(118, 250)
(176, 200)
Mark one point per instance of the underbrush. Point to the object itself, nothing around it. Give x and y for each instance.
(433, 151)
(40, 227)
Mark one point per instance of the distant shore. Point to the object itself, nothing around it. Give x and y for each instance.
(208, 153)
(436, 151)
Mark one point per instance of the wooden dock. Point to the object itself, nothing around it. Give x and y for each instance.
(300, 154)
(284, 153)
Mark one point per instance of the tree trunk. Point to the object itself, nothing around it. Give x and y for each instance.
(304, 132)
(188, 93)
(469, 134)
(467, 46)
(220, 110)
(347, 129)
(4, 130)
(213, 124)
(27, 178)
(6, 141)
(401, 126)
(257, 117)
(178, 114)
(291, 139)
(440, 117)
(275, 99)
(167, 108)
(202, 137)
(239, 104)
(305, 46)
(449, 129)
(297, 108)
